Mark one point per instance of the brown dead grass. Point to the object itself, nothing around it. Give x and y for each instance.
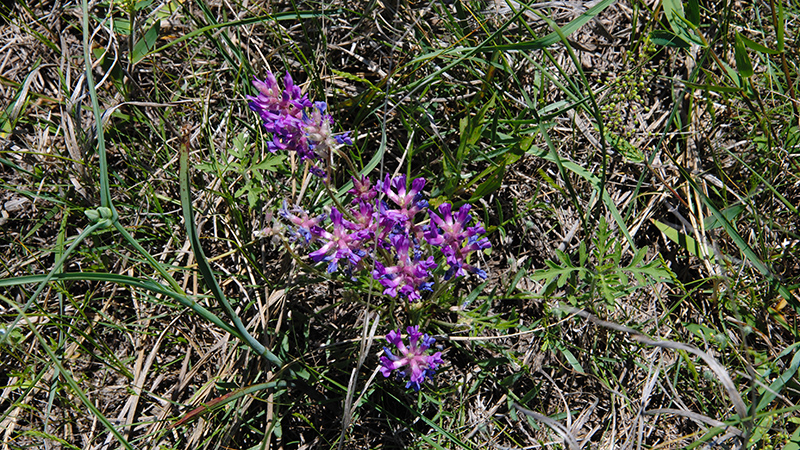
(175, 363)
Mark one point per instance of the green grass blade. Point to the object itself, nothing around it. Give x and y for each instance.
(45, 280)
(202, 262)
(70, 380)
(594, 181)
(552, 38)
(781, 381)
(151, 286)
(740, 242)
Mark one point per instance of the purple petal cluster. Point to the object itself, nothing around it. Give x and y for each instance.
(456, 238)
(384, 221)
(296, 124)
(413, 359)
(343, 243)
(302, 223)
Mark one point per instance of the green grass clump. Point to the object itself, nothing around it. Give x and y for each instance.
(634, 166)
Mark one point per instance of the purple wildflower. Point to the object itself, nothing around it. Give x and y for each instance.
(410, 201)
(457, 240)
(317, 171)
(342, 243)
(303, 224)
(280, 110)
(409, 275)
(363, 191)
(284, 115)
(413, 357)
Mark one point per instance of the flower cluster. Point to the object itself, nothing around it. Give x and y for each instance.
(388, 226)
(387, 222)
(413, 359)
(284, 113)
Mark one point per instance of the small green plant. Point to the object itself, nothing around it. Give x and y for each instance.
(600, 272)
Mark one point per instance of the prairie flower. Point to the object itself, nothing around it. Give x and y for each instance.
(413, 360)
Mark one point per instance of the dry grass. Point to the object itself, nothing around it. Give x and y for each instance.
(523, 370)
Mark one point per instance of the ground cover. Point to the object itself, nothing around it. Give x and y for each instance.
(627, 276)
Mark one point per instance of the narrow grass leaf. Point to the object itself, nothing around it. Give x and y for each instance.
(70, 380)
(202, 261)
(45, 280)
(711, 223)
(685, 241)
(753, 45)
(743, 63)
(219, 402)
(673, 9)
(781, 381)
(666, 38)
(740, 242)
(148, 285)
(145, 43)
(594, 181)
(552, 38)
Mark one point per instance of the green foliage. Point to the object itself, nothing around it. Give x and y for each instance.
(242, 166)
(599, 272)
(111, 297)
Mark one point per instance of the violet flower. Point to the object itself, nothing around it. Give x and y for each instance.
(284, 115)
(410, 201)
(301, 221)
(362, 190)
(280, 110)
(409, 275)
(413, 358)
(342, 243)
(457, 240)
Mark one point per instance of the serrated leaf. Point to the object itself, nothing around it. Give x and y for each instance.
(240, 141)
(638, 257)
(252, 197)
(205, 167)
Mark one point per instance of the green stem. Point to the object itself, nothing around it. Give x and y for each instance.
(88, 231)
(105, 193)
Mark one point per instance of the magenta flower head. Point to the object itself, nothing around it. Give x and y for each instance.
(409, 201)
(302, 223)
(410, 275)
(413, 359)
(362, 191)
(456, 238)
(278, 109)
(284, 114)
(342, 244)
